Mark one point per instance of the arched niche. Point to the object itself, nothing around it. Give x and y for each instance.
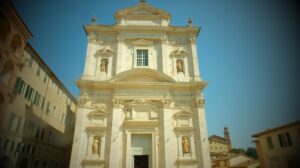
(179, 58)
(103, 62)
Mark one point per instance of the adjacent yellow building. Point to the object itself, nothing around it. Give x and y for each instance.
(219, 145)
(38, 127)
(279, 147)
(37, 113)
(13, 37)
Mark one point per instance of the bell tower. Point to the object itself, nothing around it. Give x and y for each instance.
(226, 135)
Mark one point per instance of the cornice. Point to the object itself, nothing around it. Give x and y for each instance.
(130, 28)
(90, 84)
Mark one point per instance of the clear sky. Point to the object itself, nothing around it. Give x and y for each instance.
(248, 52)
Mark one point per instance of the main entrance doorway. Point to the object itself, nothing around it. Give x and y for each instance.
(141, 150)
(141, 161)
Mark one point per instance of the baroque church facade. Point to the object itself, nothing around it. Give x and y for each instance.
(141, 103)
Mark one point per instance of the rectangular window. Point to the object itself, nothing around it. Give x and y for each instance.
(270, 142)
(43, 133)
(7, 141)
(49, 136)
(142, 58)
(45, 78)
(14, 122)
(38, 71)
(43, 102)
(30, 61)
(48, 108)
(285, 139)
(30, 93)
(12, 145)
(17, 84)
(27, 91)
(35, 97)
(20, 88)
(18, 147)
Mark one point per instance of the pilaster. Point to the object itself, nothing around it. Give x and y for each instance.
(196, 71)
(167, 145)
(203, 145)
(79, 140)
(116, 141)
(88, 63)
(119, 60)
(164, 56)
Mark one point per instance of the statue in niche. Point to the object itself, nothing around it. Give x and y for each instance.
(179, 65)
(185, 145)
(103, 65)
(96, 145)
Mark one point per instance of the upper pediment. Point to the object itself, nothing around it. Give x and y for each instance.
(141, 75)
(142, 42)
(142, 12)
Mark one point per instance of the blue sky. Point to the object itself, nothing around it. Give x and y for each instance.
(248, 52)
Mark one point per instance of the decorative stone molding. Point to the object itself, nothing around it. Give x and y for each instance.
(104, 52)
(177, 41)
(179, 52)
(183, 119)
(92, 37)
(164, 40)
(193, 40)
(142, 42)
(141, 110)
(117, 103)
(84, 99)
(167, 101)
(200, 101)
(93, 163)
(97, 118)
(106, 40)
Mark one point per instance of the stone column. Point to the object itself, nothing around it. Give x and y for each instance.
(167, 146)
(179, 144)
(88, 59)
(128, 154)
(116, 147)
(80, 139)
(119, 56)
(165, 57)
(196, 71)
(102, 147)
(193, 152)
(203, 146)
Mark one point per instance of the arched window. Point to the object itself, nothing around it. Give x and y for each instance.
(5, 27)
(7, 71)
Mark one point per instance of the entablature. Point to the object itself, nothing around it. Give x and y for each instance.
(116, 29)
(91, 84)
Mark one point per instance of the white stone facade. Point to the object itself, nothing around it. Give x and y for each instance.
(141, 101)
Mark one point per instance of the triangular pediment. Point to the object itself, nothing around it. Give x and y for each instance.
(142, 9)
(141, 75)
(142, 42)
(179, 52)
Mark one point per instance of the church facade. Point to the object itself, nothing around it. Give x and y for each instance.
(141, 102)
